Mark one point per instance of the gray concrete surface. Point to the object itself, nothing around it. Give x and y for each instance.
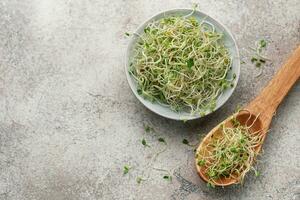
(69, 122)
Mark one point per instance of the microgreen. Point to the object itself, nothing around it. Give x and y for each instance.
(148, 128)
(167, 177)
(257, 173)
(127, 34)
(185, 141)
(231, 153)
(201, 162)
(126, 169)
(262, 43)
(258, 59)
(190, 63)
(253, 59)
(234, 76)
(162, 140)
(210, 185)
(145, 143)
(180, 61)
(139, 179)
(258, 64)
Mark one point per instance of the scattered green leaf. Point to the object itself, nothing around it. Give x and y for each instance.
(258, 64)
(148, 129)
(234, 76)
(253, 59)
(262, 60)
(262, 43)
(139, 179)
(185, 141)
(162, 140)
(210, 185)
(167, 177)
(145, 143)
(126, 169)
(257, 173)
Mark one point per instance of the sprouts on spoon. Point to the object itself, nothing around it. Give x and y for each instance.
(230, 154)
(181, 62)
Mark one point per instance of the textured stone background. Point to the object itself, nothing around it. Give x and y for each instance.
(69, 122)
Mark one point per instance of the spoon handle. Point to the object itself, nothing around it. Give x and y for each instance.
(271, 96)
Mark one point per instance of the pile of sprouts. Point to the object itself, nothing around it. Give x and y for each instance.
(181, 62)
(232, 154)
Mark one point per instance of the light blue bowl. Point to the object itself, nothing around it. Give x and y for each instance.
(229, 42)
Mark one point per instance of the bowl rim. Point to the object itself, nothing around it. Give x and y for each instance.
(191, 117)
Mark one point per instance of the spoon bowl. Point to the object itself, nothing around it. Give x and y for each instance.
(257, 115)
(245, 118)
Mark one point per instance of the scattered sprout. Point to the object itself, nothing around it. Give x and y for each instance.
(148, 129)
(162, 140)
(127, 34)
(210, 185)
(257, 173)
(139, 179)
(258, 59)
(167, 177)
(126, 169)
(253, 59)
(145, 143)
(258, 64)
(262, 44)
(234, 76)
(185, 141)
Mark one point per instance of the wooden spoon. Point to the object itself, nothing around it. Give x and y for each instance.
(260, 110)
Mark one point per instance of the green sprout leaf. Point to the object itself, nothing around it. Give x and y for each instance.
(201, 162)
(139, 179)
(234, 76)
(167, 177)
(162, 140)
(257, 173)
(185, 141)
(262, 43)
(210, 185)
(258, 64)
(126, 169)
(145, 143)
(253, 59)
(190, 63)
(262, 60)
(148, 129)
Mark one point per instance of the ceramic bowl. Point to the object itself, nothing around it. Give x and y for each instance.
(229, 43)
